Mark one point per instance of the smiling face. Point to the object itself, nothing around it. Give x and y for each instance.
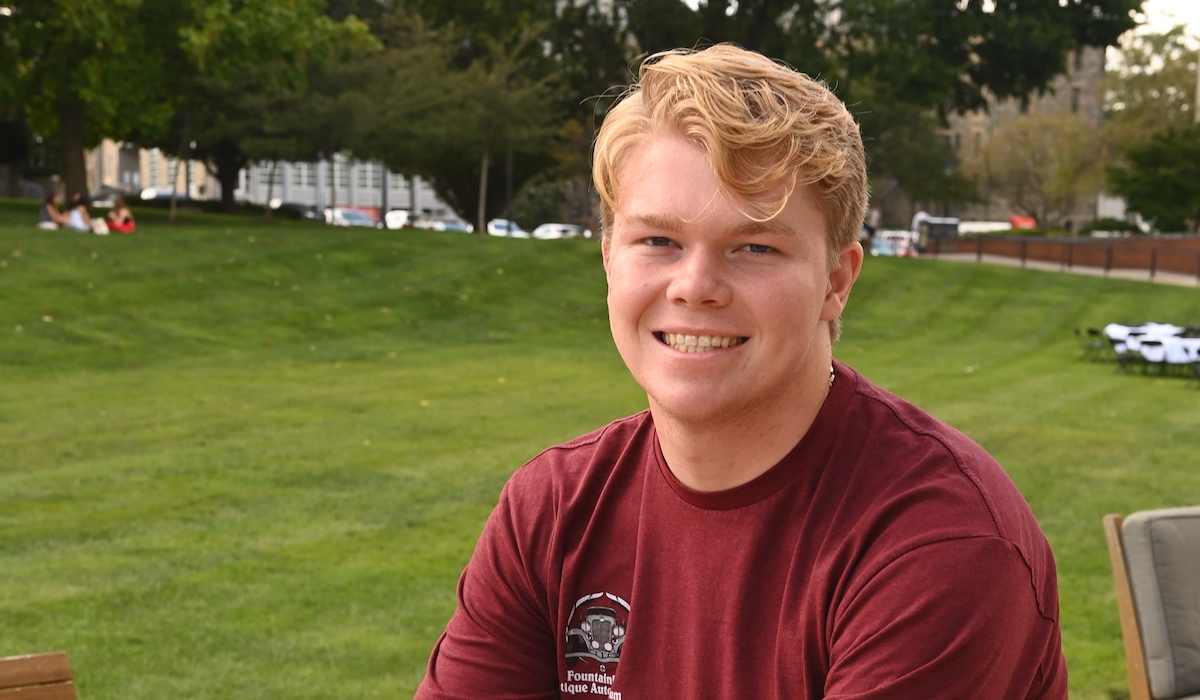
(719, 317)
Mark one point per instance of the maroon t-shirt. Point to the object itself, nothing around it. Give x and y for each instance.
(887, 556)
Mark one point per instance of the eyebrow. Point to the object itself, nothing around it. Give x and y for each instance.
(659, 222)
(672, 224)
(750, 228)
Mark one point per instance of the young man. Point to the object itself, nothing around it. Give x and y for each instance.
(775, 526)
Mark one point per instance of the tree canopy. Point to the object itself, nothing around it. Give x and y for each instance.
(1042, 164)
(474, 91)
(86, 69)
(1162, 178)
(1151, 86)
(892, 62)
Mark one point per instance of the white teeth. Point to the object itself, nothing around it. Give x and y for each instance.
(699, 343)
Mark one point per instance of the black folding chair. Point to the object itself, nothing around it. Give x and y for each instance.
(1094, 345)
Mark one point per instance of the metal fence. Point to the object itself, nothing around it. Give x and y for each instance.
(1178, 254)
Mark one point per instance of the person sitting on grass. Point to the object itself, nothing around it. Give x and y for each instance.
(120, 218)
(78, 218)
(49, 217)
(774, 525)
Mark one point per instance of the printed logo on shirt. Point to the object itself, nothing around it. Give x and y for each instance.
(595, 636)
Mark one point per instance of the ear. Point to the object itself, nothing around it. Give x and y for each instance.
(605, 246)
(841, 280)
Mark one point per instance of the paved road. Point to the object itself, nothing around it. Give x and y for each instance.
(1138, 275)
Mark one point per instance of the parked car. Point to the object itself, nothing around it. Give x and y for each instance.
(400, 218)
(504, 227)
(153, 193)
(348, 217)
(455, 225)
(901, 244)
(104, 196)
(296, 210)
(547, 232)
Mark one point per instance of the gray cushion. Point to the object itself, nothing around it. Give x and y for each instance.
(1162, 551)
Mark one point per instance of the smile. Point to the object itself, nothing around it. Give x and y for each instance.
(698, 343)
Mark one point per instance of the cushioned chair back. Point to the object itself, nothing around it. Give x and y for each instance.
(1162, 549)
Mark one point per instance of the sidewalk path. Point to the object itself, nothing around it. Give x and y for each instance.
(1122, 273)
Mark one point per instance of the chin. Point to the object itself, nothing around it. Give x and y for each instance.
(696, 406)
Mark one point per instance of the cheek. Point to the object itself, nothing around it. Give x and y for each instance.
(629, 289)
(786, 295)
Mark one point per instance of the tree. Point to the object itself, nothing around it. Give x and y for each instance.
(246, 81)
(935, 53)
(79, 68)
(462, 127)
(1041, 164)
(903, 141)
(884, 58)
(1162, 178)
(1151, 86)
(160, 72)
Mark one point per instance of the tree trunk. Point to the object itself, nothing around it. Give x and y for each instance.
(14, 180)
(271, 187)
(70, 125)
(508, 182)
(175, 179)
(174, 191)
(228, 160)
(332, 183)
(481, 216)
(383, 191)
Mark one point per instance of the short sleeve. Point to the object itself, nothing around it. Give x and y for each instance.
(498, 644)
(952, 619)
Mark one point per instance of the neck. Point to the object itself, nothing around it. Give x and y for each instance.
(725, 452)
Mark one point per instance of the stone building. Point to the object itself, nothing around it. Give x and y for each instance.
(1079, 91)
(345, 182)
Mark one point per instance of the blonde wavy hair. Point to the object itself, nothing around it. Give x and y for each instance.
(762, 125)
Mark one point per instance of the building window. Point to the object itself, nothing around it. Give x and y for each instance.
(298, 173)
(369, 175)
(978, 142)
(343, 175)
(1078, 60)
(1075, 95)
(957, 142)
(154, 166)
(265, 171)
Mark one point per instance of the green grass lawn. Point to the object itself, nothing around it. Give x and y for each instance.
(245, 459)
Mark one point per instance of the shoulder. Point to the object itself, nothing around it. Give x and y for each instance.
(562, 470)
(925, 482)
(908, 444)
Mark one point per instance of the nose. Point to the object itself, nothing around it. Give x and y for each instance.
(700, 280)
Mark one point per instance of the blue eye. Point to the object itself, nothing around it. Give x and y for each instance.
(758, 248)
(658, 241)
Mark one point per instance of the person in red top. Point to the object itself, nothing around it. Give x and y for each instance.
(774, 526)
(120, 219)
